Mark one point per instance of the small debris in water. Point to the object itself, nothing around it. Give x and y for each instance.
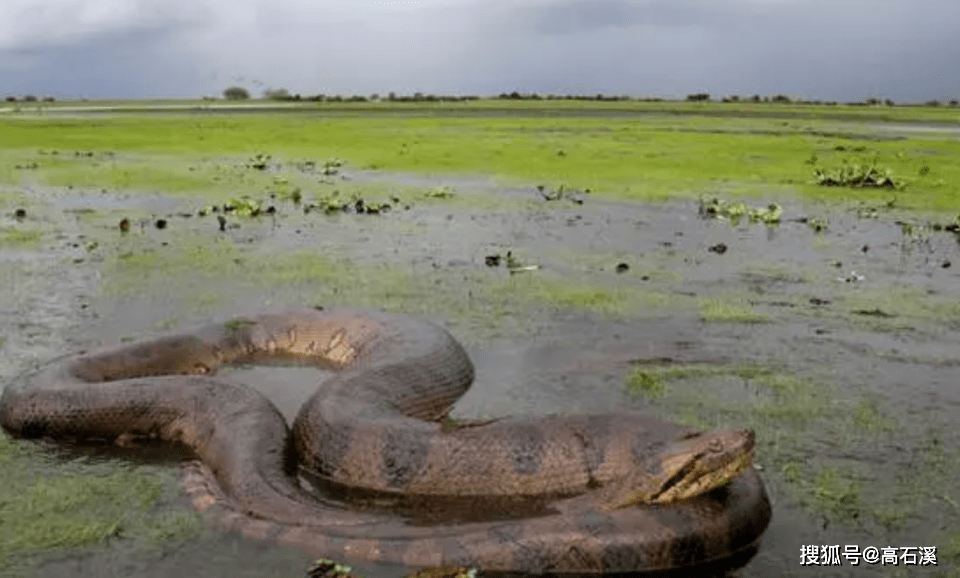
(817, 224)
(441, 192)
(124, 225)
(719, 248)
(327, 568)
(819, 301)
(161, 224)
(658, 360)
(562, 192)
(223, 222)
(851, 277)
(259, 162)
(512, 263)
(875, 312)
(20, 214)
(622, 267)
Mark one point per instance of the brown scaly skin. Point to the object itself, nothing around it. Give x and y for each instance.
(380, 425)
(688, 468)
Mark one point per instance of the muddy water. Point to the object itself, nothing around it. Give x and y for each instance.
(863, 308)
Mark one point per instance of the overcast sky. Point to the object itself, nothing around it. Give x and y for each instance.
(907, 50)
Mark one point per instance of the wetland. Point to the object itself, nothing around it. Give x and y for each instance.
(686, 262)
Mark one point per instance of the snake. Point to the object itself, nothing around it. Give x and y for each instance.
(614, 492)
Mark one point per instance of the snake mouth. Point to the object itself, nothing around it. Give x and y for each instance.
(686, 483)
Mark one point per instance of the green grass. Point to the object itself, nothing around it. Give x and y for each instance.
(486, 106)
(651, 380)
(835, 493)
(868, 416)
(10, 198)
(796, 416)
(51, 505)
(638, 157)
(496, 301)
(646, 383)
(951, 553)
(19, 237)
(760, 275)
(726, 311)
(161, 175)
(829, 491)
(889, 309)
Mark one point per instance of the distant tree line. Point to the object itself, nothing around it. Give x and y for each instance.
(30, 98)
(281, 94)
(782, 98)
(534, 96)
(236, 93)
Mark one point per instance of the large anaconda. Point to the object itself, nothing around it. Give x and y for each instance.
(379, 424)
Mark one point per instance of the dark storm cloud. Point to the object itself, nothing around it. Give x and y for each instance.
(121, 63)
(836, 50)
(59, 48)
(849, 50)
(572, 16)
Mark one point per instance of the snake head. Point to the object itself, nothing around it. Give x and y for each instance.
(692, 465)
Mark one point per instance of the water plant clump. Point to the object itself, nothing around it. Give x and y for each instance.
(283, 190)
(734, 211)
(857, 175)
(331, 166)
(335, 203)
(259, 161)
(240, 206)
(441, 192)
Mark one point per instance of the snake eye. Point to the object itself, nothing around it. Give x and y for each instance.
(716, 446)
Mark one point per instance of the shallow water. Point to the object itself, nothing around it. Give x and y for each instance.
(887, 340)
